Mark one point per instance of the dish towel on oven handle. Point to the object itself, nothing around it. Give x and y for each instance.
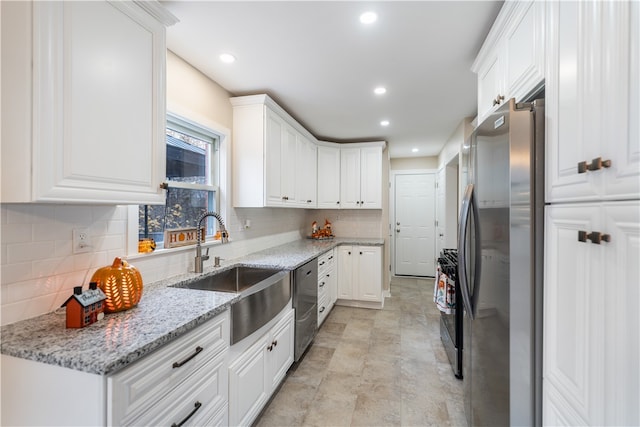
(444, 292)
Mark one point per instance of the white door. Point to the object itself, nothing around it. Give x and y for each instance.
(414, 227)
(441, 185)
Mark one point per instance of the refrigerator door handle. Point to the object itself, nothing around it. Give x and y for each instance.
(462, 249)
(477, 257)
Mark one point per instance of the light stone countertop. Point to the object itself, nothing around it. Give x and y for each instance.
(163, 313)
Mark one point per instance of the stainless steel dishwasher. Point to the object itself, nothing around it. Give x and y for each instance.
(305, 303)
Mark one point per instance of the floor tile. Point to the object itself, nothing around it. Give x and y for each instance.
(374, 368)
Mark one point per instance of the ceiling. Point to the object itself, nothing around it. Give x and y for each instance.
(318, 62)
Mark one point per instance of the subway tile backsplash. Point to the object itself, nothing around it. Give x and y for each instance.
(39, 269)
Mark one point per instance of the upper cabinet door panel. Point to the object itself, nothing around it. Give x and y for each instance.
(621, 101)
(572, 100)
(98, 113)
(524, 46)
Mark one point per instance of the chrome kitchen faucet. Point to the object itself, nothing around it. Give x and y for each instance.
(224, 238)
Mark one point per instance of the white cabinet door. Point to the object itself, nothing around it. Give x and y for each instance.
(591, 322)
(288, 166)
(524, 50)
(574, 304)
(328, 177)
(93, 126)
(345, 272)
(369, 282)
(248, 383)
(361, 178)
(371, 178)
(490, 91)
(622, 321)
(280, 355)
(275, 144)
(360, 273)
(349, 178)
(591, 43)
(621, 100)
(306, 174)
(511, 61)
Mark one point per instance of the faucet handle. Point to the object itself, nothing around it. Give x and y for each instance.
(206, 255)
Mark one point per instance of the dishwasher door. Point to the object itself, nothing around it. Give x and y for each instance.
(305, 303)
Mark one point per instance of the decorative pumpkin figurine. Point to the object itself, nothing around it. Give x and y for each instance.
(121, 283)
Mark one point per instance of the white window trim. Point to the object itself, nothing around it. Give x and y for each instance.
(224, 200)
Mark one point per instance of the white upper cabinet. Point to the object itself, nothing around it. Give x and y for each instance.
(274, 158)
(328, 177)
(361, 177)
(83, 104)
(592, 101)
(276, 162)
(511, 61)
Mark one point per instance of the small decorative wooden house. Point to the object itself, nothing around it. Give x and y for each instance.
(85, 308)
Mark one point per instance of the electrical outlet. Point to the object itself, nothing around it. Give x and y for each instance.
(81, 240)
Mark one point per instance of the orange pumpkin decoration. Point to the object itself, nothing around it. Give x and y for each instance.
(121, 283)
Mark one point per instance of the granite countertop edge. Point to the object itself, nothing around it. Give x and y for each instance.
(120, 339)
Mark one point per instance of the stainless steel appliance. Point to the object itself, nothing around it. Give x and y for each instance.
(500, 256)
(451, 320)
(305, 303)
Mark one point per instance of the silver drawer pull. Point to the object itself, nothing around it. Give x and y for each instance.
(197, 406)
(179, 364)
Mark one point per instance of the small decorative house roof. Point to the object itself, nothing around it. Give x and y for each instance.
(88, 297)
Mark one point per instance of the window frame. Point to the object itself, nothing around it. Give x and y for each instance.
(203, 126)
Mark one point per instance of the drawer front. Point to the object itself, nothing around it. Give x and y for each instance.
(192, 403)
(324, 305)
(133, 390)
(325, 262)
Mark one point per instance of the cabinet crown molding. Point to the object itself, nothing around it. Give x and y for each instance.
(159, 12)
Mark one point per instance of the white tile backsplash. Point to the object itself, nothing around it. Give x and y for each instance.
(39, 269)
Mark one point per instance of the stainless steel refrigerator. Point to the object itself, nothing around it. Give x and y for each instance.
(500, 257)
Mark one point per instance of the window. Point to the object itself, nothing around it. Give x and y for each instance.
(193, 173)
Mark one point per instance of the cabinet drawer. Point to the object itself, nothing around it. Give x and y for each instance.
(325, 262)
(142, 384)
(193, 403)
(324, 305)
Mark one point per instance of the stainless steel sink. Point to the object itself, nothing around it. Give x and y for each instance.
(237, 280)
(263, 294)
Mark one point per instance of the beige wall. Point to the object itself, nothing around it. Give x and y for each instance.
(407, 163)
(191, 93)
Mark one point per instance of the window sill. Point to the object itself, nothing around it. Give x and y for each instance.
(173, 251)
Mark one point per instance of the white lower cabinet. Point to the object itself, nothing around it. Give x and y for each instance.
(360, 276)
(327, 284)
(185, 382)
(256, 372)
(591, 344)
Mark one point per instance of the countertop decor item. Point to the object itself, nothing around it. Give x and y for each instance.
(323, 233)
(84, 308)
(121, 283)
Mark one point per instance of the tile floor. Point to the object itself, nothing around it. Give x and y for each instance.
(374, 368)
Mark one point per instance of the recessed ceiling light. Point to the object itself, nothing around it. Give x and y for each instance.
(227, 58)
(384, 123)
(380, 90)
(368, 17)
(414, 150)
